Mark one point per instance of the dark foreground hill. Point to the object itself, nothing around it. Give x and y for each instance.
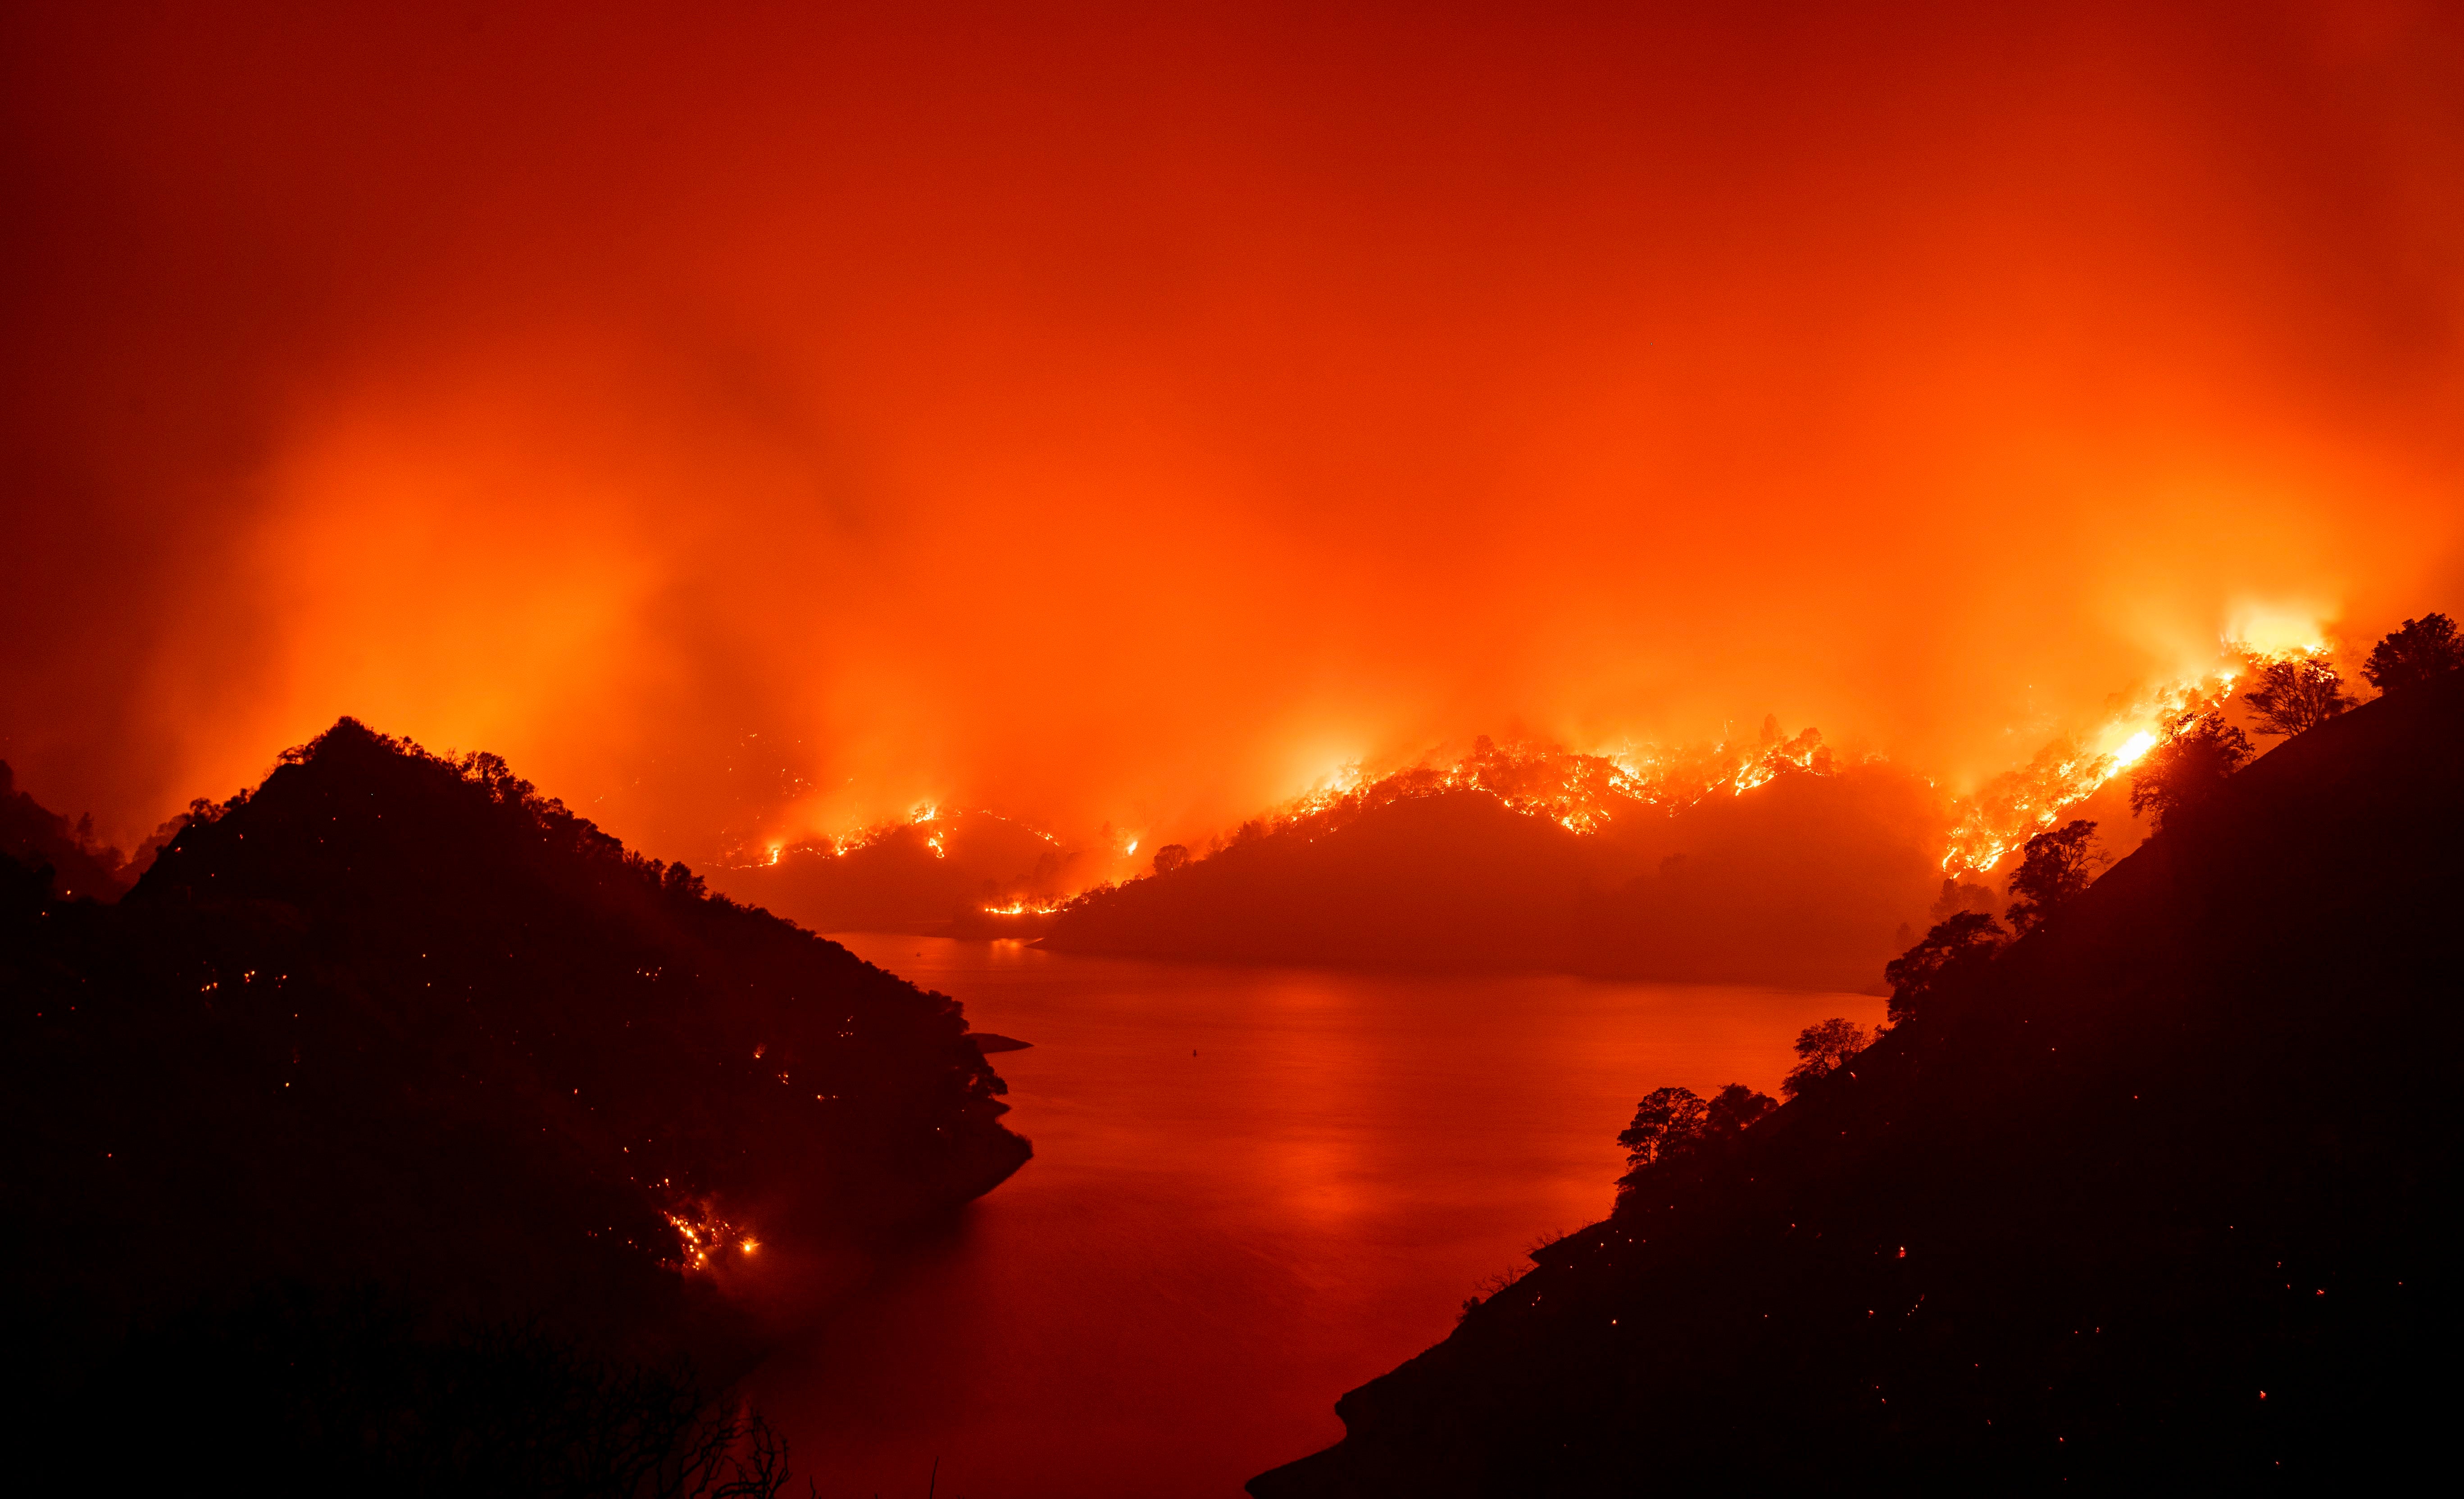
(1808, 879)
(2160, 1198)
(393, 1089)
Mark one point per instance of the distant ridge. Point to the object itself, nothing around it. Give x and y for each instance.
(1807, 881)
(2161, 1199)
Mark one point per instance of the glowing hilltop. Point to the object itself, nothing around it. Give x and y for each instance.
(1587, 792)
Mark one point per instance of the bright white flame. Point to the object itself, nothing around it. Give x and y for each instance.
(2128, 751)
(2279, 630)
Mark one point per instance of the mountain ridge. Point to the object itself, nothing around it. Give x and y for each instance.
(1806, 880)
(2180, 1145)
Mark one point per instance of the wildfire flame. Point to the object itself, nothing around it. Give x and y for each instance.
(854, 840)
(1587, 792)
(705, 1238)
(1993, 822)
(1583, 793)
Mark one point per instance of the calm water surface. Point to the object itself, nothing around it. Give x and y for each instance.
(1252, 1190)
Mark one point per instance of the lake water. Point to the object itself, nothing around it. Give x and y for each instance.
(1253, 1189)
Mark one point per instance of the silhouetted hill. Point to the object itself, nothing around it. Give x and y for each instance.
(398, 1024)
(1807, 879)
(915, 876)
(2159, 1197)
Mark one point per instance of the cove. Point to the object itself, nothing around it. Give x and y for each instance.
(1253, 1189)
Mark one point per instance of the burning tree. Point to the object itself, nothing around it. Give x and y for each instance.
(2424, 649)
(2296, 695)
(2197, 754)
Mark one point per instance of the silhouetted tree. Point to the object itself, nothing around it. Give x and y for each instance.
(1734, 1110)
(1667, 1120)
(2424, 649)
(2056, 867)
(1953, 948)
(1957, 895)
(2293, 696)
(2198, 753)
(1821, 1049)
(1672, 1121)
(1169, 857)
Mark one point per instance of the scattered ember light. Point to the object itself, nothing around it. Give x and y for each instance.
(1583, 793)
(704, 1238)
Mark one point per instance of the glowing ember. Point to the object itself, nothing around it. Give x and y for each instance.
(705, 1240)
(1586, 793)
(1581, 793)
(939, 822)
(1991, 824)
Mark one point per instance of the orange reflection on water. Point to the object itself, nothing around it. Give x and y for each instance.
(1253, 1189)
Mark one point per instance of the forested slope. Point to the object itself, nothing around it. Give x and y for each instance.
(2158, 1194)
(1807, 879)
(396, 1032)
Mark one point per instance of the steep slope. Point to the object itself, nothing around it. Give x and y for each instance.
(727, 1050)
(2160, 1196)
(1806, 880)
(399, 1022)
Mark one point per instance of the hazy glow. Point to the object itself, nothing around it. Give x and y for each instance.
(2128, 751)
(753, 423)
(2281, 629)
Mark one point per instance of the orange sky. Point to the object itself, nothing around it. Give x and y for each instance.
(756, 424)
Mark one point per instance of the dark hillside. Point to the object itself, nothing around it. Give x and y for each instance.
(1453, 881)
(913, 877)
(2160, 1196)
(396, 1027)
(1806, 880)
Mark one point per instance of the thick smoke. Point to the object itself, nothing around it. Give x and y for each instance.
(754, 425)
